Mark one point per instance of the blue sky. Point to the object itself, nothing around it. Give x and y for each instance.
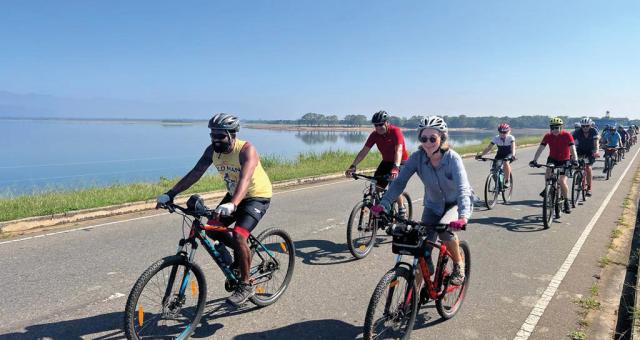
(280, 59)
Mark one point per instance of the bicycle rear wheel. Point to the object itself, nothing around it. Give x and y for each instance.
(506, 193)
(576, 188)
(393, 307)
(361, 231)
(609, 165)
(449, 303)
(491, 191)
(167, 301)
(272, 263)
(548, 205)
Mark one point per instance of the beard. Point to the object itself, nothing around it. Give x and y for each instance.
(220, 147)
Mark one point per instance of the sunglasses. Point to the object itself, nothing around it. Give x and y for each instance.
(501, 132)
(218, 135)
(431, 139)
(586, 126)
(378, 124)
(555, 127)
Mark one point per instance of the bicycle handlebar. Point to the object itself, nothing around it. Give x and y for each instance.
(506, 159)
(369, 178)
(439, 226)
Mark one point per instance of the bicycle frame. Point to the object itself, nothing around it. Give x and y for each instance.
(198, 233)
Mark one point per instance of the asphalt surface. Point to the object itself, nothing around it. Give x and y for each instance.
(74, 285)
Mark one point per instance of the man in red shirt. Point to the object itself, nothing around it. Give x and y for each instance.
(390, 142)
(562, 152)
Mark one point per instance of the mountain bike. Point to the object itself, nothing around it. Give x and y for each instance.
(552, 200)
(494, 185)
(579, 184)
(610, 159)
(168, 299)
(396, 300)
(363, 226)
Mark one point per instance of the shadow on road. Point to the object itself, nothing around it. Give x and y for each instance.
(110, 323)
(529, 223)
(325, 252)
(528, 203)
(314, 329)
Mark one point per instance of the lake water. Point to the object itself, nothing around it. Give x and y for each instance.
(37, 155)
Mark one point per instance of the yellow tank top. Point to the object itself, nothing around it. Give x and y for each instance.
(228, 165)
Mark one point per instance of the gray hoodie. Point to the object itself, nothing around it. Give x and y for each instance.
(446, 184)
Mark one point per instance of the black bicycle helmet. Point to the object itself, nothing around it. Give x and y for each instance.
(224, 121)
(380, 117)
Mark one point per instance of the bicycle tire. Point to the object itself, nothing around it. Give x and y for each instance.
(491, 191)
(135, 313)
(609, 166)
(547, 205)
(576, 188)
(443, 309)
(584, 188)
(366, 233)
(285, 246)
(405, 314)
(506, 194)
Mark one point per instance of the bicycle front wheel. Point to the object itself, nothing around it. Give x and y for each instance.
(506, 193)
(576, 188)
(548, 205)
(393, 307)
(361, 231)
(451, 300)
(272, 262)
(167, 301)
(491, 191)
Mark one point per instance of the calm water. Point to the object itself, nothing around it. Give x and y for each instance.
(51, 155)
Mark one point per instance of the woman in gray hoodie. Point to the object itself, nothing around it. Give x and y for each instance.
(447, 192)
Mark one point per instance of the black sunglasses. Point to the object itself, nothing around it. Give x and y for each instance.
(218, 135)
(378, 124)
(555, 127)
(431, 139)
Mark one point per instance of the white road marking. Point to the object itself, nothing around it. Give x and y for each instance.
(113, 297)
(541, 305)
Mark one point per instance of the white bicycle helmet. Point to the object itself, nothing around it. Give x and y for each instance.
(586, 121)
(432, 122)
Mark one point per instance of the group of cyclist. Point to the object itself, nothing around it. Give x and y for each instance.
(447, 190)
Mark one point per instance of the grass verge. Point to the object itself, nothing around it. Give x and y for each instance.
(279, 169)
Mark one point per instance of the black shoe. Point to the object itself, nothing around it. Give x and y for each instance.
(542, 194)
(588, 193)
(567, 207)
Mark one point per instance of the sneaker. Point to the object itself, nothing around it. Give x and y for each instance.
(588, 193)
(542, 193)
(457, 277)
(507, 184)
(567, 207)
(402, 213)
(242, 293)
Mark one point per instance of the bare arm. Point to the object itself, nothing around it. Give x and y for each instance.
(513, 149)
(248, 161)
(487, 149)
(572, 150)
(195, 174)
(361, 155)
(538, 152)
(398, 155)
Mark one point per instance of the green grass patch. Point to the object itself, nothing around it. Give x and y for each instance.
(615, 233)
(279, 169)
(589, 303)
(594, 290)
(603, 261)
(577, 335)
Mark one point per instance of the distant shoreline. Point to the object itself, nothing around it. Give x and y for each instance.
(260, 126)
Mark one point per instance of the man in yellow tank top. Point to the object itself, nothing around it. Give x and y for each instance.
(247, 199)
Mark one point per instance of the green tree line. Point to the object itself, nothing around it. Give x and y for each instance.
(461, 121)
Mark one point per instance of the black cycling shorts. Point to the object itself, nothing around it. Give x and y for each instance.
(384, 168)
(248, 213)
(558, 164)
(587, 156)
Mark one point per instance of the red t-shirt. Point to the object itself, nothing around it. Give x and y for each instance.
(387, 143)
(559, 146)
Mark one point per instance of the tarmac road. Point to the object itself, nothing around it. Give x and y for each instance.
(74, 285)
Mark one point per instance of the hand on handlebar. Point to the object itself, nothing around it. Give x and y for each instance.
(458, 224)
(350, 171)
(478, 156)
(225, 209)
(394, 172)
(533, 164)
(163, 200)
